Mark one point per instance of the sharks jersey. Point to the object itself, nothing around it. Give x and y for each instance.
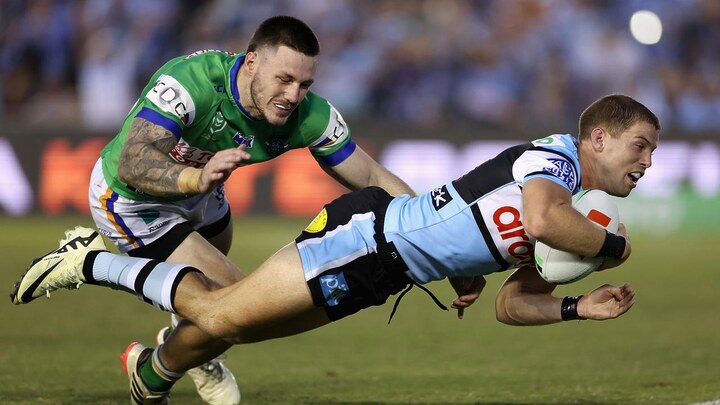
(473, 225)
(196, 98)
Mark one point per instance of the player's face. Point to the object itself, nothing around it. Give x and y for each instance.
(282, 78)
(626, 157)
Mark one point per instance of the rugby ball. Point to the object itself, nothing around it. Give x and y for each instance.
(560, 267)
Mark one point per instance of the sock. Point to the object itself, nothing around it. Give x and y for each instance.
(154, 374)
(152, 281)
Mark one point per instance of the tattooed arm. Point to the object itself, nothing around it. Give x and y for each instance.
(145, 165)
(144, 162)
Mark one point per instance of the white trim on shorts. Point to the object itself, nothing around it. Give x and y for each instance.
(131, 224)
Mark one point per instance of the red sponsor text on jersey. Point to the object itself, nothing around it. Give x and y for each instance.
(521, 248)
(190, 155)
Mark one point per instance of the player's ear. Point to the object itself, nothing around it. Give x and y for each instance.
(251, 60)
(597, 138)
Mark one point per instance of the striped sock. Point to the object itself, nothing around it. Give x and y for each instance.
(152, 281)
(154, 374)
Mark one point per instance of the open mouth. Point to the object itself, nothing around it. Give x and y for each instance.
(635, 177)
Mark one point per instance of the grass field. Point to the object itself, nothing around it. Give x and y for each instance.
(666, 350)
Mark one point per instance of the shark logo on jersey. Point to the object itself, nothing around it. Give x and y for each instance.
(170, 96)
(440, 197)
(275, 147)
(246, 140)
(563, 170)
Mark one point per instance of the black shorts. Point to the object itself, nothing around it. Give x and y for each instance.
(348, 263)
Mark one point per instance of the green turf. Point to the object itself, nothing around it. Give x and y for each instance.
(665, 351)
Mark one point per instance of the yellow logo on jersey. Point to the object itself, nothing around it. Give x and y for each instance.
(318, 224)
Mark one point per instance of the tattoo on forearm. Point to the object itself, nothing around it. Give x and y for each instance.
(144, 161)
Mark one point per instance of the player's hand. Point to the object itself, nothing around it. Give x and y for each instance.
(219, 168)
(606, 302)
(609, 262)
(468, 290)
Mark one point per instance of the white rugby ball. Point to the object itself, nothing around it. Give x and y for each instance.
(560, 267)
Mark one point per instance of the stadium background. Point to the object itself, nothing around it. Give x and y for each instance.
(429, 88)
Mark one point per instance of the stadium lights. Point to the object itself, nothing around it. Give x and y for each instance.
(646, 27)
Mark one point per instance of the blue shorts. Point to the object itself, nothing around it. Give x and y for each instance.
(348, 264)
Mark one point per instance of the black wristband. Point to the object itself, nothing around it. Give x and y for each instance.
(568, 309)
(614, 246)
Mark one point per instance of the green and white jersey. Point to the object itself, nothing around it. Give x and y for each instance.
(196, 98)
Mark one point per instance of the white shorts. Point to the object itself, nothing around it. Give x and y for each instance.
(132, 224)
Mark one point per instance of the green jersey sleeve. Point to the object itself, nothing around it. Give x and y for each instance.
(183, 90)
(329, 136)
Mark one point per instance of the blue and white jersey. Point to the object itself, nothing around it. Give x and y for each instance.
(473, 225)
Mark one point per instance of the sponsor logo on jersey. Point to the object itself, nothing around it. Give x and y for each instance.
(190, 155)
(563, 170)
(275, 147)
(338, 132)
(334, 288)
(318, 224)
(104, 232)
(508, 223)
(440, 197)
(501, 211)
(170, 96)
(335, 132)
(246, 140)
(158, 226)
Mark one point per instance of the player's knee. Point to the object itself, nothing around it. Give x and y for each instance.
(222, 327)
(222, 273)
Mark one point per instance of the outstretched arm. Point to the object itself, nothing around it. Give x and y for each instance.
(360, 170)
(145, 165)
(526, 299)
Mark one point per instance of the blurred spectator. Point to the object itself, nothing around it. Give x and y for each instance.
(518, 63)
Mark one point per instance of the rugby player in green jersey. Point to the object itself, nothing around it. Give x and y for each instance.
(157, 189)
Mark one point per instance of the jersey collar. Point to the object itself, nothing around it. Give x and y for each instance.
(234, 89)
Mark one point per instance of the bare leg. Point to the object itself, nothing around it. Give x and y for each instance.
(188, 346)
(274, 301)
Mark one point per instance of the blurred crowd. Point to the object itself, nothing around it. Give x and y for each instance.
(516, 63)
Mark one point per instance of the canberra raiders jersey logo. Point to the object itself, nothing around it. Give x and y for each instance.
(275, 147)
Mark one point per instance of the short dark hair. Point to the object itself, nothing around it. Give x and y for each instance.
(615, 113)
(287, 31)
